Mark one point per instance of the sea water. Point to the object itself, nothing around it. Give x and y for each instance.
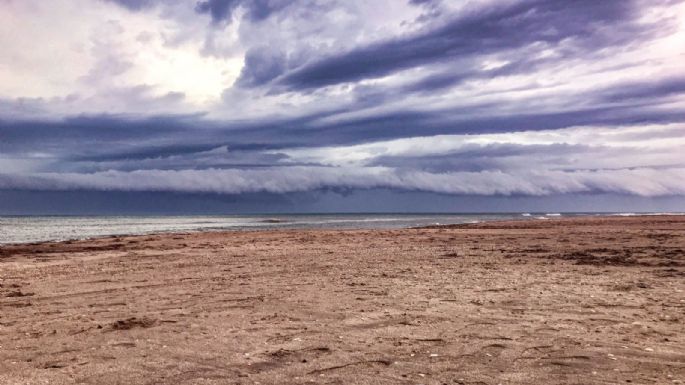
(22, 229)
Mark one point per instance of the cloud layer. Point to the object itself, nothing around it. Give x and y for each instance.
(643, 182)
(516, 97)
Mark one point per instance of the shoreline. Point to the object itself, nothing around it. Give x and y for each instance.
(534, 217)
(565, 301)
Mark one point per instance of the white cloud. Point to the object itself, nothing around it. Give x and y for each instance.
(635, 143)
(81, 50)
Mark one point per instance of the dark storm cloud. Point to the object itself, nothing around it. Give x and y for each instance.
(148, 152)
(218, 9)
(423, 123)
(421, 2)
(212, 158)
(593, 24)
(475, 158)
(646, 90)
(85, 130)
(262, 64)
(449, 78)
(135, 5)
(222, 10)
(121, 203)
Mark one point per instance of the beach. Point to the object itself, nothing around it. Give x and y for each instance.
(591, 300)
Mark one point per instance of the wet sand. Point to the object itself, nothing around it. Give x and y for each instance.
(564, 301)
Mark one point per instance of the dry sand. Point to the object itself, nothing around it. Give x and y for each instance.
(568, 301)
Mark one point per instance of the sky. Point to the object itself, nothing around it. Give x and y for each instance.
(221, 106)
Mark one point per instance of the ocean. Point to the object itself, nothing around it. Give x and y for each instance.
(24, 229)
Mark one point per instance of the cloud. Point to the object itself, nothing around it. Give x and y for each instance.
(135, 5)
(262, 64)
(218, 9)
(481, 32)
(643, 182)
(643, 138)
(643, 161)
(222, 11)
(646, 90)
(480, 97)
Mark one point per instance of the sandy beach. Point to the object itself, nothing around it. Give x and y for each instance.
(597, 300)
